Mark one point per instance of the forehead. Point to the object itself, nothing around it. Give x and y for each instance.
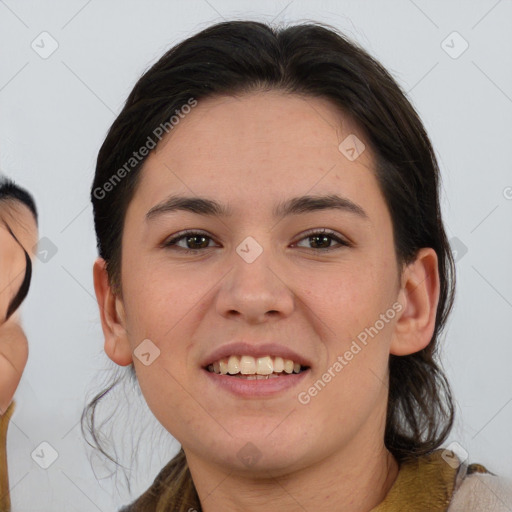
(17, 211)
(21, 220)
(260, 140)
(270, 118)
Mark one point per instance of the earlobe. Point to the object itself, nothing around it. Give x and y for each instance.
(117, 345)
(420, 295)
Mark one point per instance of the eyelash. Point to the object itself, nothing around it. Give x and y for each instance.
(330, 234)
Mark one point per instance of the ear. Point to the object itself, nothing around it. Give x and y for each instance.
(419, 294)
(113, 322)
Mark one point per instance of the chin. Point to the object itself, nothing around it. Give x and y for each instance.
(257, 455)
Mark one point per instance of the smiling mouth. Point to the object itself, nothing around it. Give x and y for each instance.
(251, 368)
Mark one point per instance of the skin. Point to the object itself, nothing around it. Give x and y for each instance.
(13, 342)
(251, 152)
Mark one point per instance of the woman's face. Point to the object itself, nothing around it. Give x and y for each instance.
(261, 278)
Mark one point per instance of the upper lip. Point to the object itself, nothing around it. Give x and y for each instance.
(254, 350)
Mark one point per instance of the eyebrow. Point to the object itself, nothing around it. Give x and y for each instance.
(293, 206)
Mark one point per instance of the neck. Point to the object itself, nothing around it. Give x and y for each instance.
(356, 479)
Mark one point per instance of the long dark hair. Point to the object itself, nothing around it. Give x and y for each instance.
(315, 60)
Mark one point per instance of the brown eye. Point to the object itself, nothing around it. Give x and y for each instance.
(322, 240)
(193, 240)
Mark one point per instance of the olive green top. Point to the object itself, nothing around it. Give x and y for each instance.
(427, 483)
(423, 484)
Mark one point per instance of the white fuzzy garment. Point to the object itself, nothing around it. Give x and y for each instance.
(482, 492)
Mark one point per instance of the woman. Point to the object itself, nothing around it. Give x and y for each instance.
(275, 272)
(18, 237)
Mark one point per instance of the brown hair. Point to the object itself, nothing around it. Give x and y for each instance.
(311, 59)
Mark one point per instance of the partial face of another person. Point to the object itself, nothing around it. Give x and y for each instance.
(18, 233)
(306, 281)
(18, 238)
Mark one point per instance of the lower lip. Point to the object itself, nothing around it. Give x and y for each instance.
(256, 387)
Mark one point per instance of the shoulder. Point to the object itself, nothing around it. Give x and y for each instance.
(482, 492)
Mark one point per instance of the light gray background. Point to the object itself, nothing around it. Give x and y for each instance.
(54, 114)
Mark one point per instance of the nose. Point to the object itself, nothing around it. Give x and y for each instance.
(255, 291)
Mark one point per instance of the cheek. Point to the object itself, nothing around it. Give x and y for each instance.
(162, 308)
(347, 297)
(158, 299)
(171, 398)
(356, 338)
(353, 384)
(161, 312)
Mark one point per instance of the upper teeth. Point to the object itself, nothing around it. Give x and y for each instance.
(248, 365)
